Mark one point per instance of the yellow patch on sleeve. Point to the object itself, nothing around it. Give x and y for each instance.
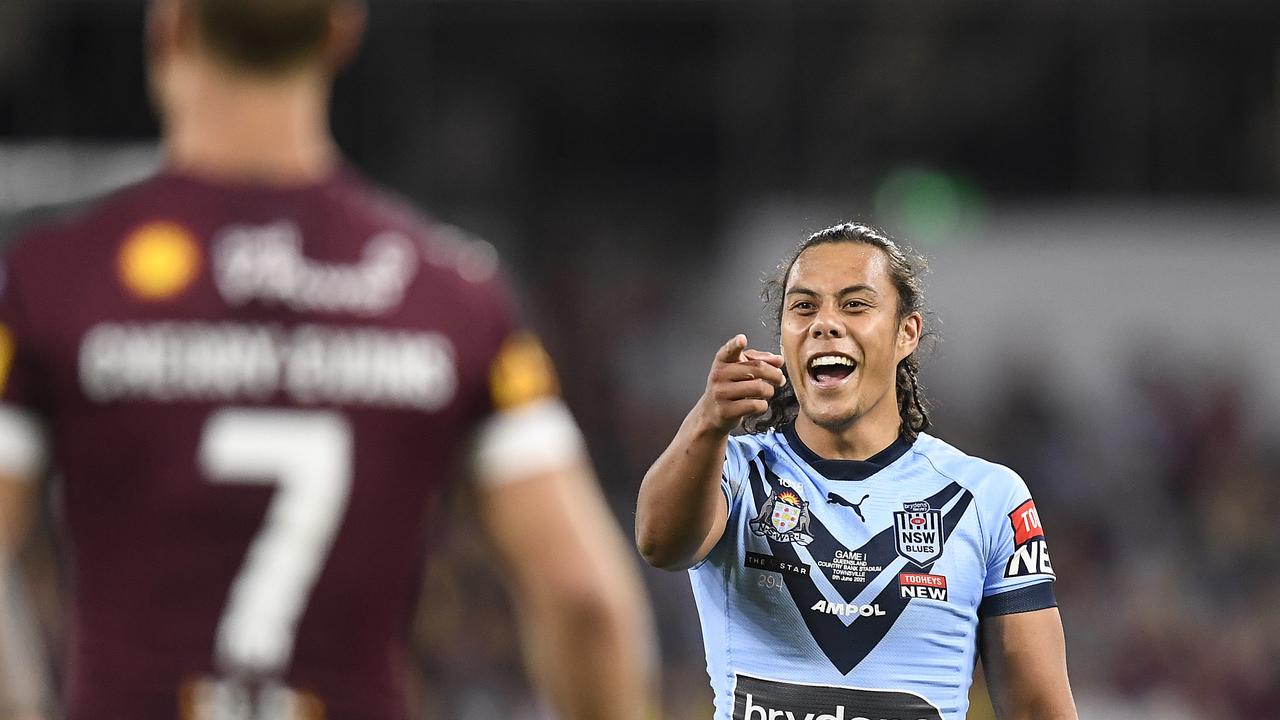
(521, 373)
(6, 356)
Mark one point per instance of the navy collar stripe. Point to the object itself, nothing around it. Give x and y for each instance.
(847, 469)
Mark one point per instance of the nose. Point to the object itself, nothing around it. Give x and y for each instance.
(825, 326)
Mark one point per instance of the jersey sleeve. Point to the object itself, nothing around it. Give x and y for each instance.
(733, 476)
(23, 446)
(1019, 575)
(525, 427)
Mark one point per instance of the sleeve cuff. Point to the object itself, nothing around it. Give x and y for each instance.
(519, 443)
(1023, 599)
(23, 447)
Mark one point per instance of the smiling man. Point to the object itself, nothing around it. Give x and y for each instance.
(845, 563)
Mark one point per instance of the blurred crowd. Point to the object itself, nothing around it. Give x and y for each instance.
(1162, 538)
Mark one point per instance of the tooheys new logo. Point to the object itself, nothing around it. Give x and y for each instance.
(1030, 553)
(757, 699)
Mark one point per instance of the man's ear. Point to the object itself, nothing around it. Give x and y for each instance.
(162, 42)
(167, 25)
(909, 331)
(346, 29)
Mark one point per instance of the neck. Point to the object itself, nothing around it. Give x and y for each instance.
(227, 125)
(867, 435)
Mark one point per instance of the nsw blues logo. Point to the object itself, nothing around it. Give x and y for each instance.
(783, 517)
(917, 532)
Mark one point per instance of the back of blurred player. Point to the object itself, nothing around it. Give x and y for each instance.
(254, 373)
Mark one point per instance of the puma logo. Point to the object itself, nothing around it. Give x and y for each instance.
(834, 498)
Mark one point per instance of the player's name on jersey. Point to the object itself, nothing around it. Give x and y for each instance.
(225, 361)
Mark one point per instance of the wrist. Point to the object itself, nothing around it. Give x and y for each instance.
(705, 426)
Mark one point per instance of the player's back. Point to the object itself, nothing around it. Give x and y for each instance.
(253, 396)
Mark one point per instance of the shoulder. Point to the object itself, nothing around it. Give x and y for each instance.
(748, 446)
(450, 255)
(56, 229)
(981, 477)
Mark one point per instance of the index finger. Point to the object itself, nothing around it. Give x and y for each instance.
(771, 358)
(731, 351)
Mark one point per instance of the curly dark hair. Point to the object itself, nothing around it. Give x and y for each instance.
(906, 269)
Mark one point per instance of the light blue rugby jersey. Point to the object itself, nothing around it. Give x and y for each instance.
(852, 589)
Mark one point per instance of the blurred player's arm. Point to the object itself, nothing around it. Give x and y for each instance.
(1025, 661)
(586, 627)
(681, 511)
(24, 685)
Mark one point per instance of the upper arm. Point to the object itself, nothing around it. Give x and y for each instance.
(554, 535)
(719, 521)
(732, 477)
(539, 504)
(17, 507)
(22, 459)
(1024, 657)
(23, 390)
(1021, 640)
(537, 499)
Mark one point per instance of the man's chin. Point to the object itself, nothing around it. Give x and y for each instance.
(832, 419)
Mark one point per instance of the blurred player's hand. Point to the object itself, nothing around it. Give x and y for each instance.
(740, 384)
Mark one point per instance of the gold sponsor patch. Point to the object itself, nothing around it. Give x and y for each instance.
(207, 698)
(158, 260)
(6, 356)
(521, 373)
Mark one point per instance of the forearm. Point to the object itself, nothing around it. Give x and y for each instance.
(24, 681)
(593, 658)
(679, 499)
(587, 630)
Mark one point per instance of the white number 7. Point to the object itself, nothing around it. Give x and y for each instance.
(308, 454)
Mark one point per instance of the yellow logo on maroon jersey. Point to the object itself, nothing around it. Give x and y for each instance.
(521, 373)
(158, 260)
(6, 356)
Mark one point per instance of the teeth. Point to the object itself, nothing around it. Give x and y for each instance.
(830, 360)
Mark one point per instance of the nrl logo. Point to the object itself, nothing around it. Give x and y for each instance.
(918, 532)
(783, 517)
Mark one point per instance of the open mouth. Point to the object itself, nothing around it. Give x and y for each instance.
(830, 370)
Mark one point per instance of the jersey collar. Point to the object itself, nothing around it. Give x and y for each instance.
(847, 469)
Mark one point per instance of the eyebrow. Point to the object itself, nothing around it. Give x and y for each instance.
(860, 287)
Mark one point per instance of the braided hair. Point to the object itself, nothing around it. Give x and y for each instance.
(906, 270)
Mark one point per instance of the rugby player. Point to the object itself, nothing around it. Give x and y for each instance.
(845, 563)
(254, 373)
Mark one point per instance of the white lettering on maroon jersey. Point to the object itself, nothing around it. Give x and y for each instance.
(222, 362)
(266, 263)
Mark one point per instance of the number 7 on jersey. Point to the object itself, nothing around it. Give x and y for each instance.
(309, 455)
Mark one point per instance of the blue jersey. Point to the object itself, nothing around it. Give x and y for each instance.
(853, 589)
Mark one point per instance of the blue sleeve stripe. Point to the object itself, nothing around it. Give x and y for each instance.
(1024, 599)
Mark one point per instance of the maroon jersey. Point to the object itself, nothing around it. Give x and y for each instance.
(252, 396)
